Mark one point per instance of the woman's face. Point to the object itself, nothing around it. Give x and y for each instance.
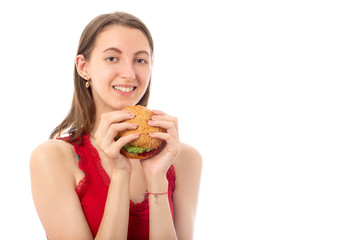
(119, 68)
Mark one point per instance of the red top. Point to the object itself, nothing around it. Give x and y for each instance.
(93, 189)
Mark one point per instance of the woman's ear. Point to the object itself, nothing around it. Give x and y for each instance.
(81, 66)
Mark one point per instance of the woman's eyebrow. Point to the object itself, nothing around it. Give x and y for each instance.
(142, 51)
(119, 51)
(112, 49)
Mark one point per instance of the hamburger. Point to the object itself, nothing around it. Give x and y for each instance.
(144, 146)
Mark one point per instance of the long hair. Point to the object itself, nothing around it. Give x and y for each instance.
(81, 116)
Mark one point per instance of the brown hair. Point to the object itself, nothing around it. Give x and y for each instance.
(81, 116)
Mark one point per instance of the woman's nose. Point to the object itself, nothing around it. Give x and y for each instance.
(126, 69)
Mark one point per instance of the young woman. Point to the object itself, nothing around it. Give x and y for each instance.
(83, 188)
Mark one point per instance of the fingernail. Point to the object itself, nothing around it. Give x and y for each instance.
(134, 125)
(154, 117)
(136, 134)
(151, 134)
(150, 122)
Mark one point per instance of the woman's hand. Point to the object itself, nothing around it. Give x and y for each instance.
(156, 167)
(110, 124)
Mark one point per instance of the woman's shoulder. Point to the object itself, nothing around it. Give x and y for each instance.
(53, 148)
(52, 154)
(188, 161)
(189, 152)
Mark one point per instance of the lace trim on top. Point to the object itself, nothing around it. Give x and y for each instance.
(82, 185)
(97, 160)
(137, 208)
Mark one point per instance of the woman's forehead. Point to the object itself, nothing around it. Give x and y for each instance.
(122, 38)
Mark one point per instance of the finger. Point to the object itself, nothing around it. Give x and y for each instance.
(115, 128)
(166, 118)
(124, 140)
(171, 140)
(106, 119)
(114, 148)
(168, 125)
(158, 112)
(162, 124)
(116, 116)
(172, 144)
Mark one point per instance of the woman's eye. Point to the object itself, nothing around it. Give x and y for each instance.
(139, 60)
(111, 59)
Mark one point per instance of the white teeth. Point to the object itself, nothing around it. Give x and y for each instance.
(124, 89)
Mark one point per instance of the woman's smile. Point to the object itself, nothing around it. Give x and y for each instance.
(124, 90)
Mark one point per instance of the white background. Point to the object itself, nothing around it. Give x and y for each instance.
(267, 91)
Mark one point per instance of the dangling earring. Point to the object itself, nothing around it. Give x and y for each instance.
(87, 84)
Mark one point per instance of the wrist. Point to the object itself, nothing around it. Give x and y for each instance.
(157, 185)
(155, 176)
(120, 174)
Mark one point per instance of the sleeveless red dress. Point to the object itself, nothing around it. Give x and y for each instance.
(93, 189)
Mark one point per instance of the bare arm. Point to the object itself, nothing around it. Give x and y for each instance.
(57, 203)
(188, 167)
(187, 162)
(155, 169)
(53, 186)
(114, 224)
(53, 189)
(161, 221)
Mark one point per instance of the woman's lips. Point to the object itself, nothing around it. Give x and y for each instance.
(124, 90)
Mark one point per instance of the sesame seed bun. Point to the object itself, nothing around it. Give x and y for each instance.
(143, 115)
